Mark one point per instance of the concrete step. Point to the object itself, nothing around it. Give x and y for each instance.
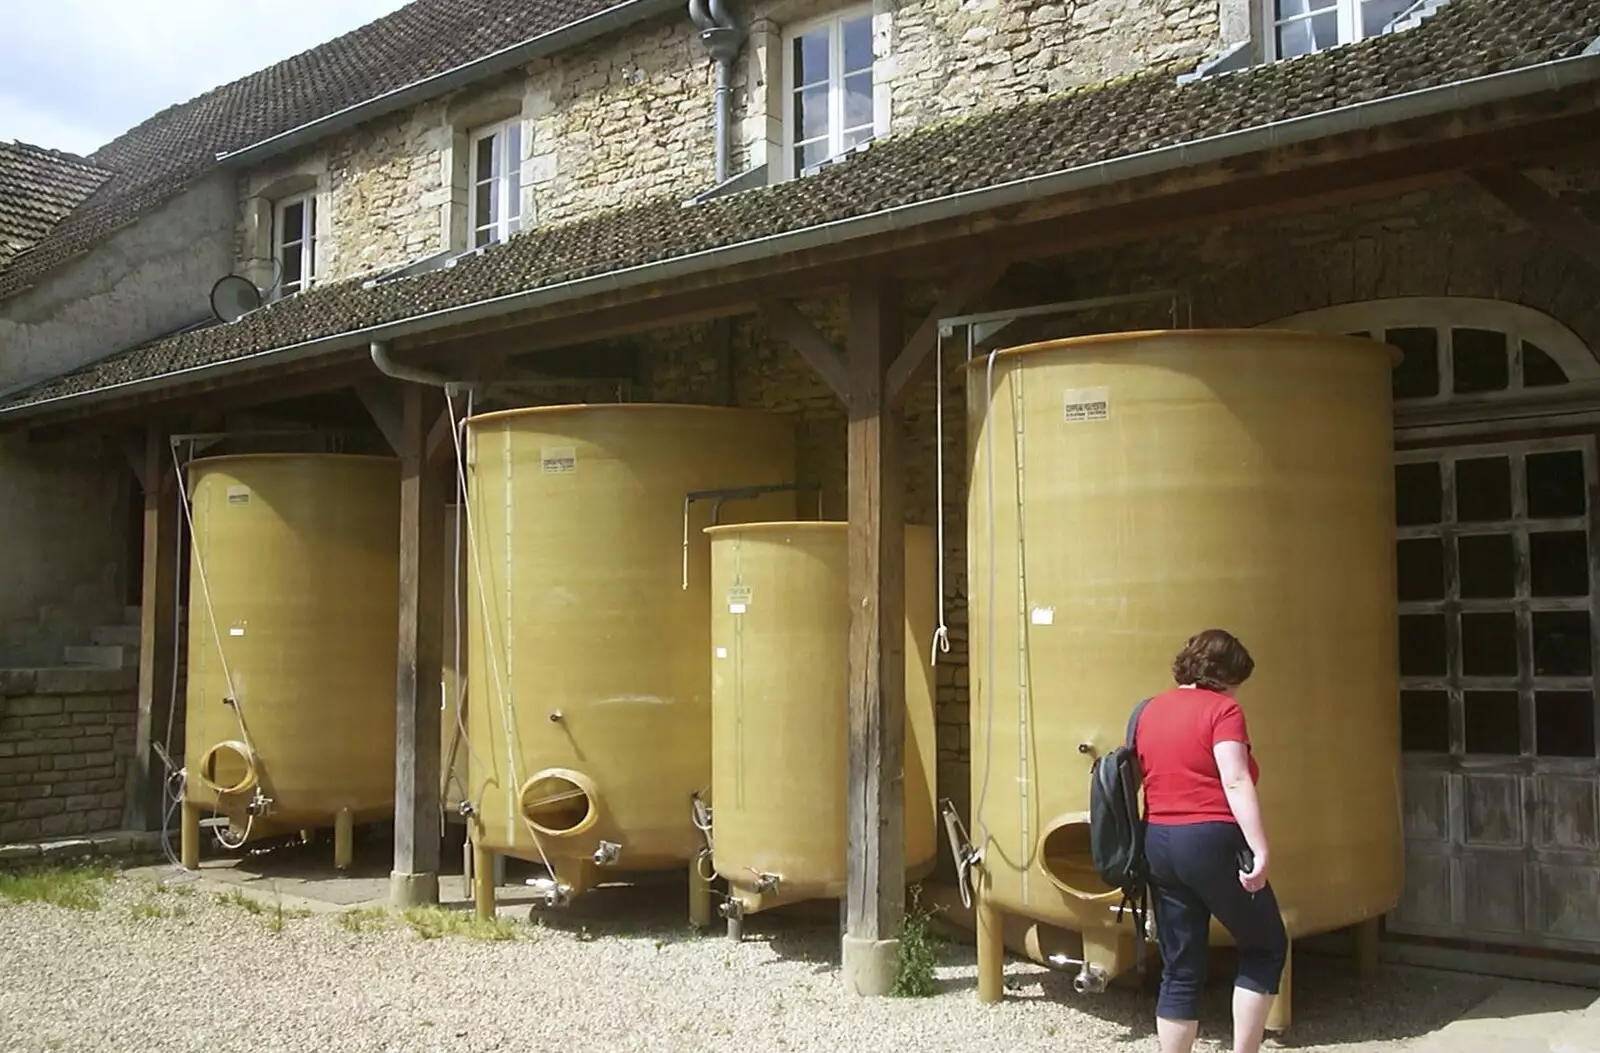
(115, 636)
(116, 657)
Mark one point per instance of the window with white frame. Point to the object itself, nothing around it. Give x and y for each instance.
(828, 85)
(1300, 27)
(294, 242)
(495, 204)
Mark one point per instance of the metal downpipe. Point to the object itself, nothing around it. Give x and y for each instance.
(723, 38)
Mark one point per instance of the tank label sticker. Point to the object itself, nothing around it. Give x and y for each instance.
(722, 652)
(738, 599)
(1042, 616)
(237, 630)
(558, 460)
(238, 495)
(1081, 405)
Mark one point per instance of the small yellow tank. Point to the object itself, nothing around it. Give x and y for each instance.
(590, 674)
(293, 629)
(780, 629)
(1127, 491)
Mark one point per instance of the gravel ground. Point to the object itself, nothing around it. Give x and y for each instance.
(173, 967)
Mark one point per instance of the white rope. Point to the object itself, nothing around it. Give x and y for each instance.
(941, 635)
(507, 716)
(216, 636)
(988, 732)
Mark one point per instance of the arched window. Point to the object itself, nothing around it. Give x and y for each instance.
(1458, 348)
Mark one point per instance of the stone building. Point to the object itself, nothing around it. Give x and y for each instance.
(569, 199)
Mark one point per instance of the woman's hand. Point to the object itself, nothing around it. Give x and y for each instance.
(1256, 879)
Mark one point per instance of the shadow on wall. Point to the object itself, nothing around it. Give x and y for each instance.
(63, 566)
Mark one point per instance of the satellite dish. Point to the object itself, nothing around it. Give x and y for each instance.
(233, 297)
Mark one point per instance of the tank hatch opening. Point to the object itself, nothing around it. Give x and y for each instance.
(227, 768)
(1064, 853)
(561, 804)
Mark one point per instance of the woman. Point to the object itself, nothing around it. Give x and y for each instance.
(1205, 843)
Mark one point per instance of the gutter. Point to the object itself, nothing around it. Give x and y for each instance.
(619, 16)
(1549, 76)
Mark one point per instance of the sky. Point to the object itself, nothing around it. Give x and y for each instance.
(75, 74)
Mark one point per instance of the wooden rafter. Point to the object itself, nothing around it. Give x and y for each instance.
(1534, 205)
(382, 401)
(911, 363)
(785, 320)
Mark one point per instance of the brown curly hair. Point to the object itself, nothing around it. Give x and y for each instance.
(1213, 659)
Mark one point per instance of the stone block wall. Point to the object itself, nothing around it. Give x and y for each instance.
(628, 118)
(66, 737)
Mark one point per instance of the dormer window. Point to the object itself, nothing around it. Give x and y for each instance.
(294, 242)
(1300, 27)
(828, 87)
(495, 209)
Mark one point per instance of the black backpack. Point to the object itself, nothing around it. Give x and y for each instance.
(1116, 827)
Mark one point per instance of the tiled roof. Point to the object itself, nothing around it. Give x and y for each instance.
(1466, 39)
(151, 162)
(39, 188)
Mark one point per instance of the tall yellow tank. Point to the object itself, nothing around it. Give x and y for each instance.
(590, 720)
(1170, 482)
(780, 630)
(293, 632)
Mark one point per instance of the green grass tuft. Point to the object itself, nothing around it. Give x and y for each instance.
(364, 919)
(75, 887)
(430, 923)
(918, 956)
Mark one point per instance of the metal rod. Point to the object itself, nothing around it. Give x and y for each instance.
(1062, 307)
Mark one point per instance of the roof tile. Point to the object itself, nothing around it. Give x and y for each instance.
(1466, 39)
(38, 188)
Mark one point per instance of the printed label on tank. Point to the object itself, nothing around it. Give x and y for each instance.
(238, 495)
(1043, 616)
(1081, 405)
(722, 652)
(558, 460)
(738, 599)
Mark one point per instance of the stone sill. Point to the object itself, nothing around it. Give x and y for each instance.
(119, 845)
(67, 680)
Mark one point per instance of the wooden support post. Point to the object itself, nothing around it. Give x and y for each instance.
(417, 826)
(158, 608)
(991, 948)
(343, 839)
(189, 837)
(699, 892)
(483, 880)
(875, 886)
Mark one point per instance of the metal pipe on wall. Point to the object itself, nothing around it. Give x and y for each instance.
(723, 38)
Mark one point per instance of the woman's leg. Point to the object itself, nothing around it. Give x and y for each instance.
(1183, 926)
(1252, 919)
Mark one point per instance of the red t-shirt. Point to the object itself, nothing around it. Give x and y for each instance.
(1173, 741)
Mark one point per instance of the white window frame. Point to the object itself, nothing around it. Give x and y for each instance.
(307, 240)
(834, 21)
(505, 183)
(1350, 23)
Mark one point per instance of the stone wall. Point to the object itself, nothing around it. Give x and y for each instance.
(628, 118)
(66, 736)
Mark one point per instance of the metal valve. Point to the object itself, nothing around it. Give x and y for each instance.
(606, 855)
(555, 717)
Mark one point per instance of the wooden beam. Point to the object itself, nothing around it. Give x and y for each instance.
(383, 406)
(875, 887)
(440, 447)
(131, 442)
(786, 321)
(158, 607)
(1531, 203)
(911, 364)
(417, 828)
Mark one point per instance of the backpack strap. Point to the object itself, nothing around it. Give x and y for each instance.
(1133, 723)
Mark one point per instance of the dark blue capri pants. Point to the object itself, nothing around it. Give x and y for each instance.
(1194, 876)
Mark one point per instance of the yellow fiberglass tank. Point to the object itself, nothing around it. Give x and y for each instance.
(293, 633)
(1171, 482)
(780, 629)
(589, 648)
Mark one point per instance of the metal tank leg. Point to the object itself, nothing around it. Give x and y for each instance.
(189, 836)
(699, 896)
(343, 839)
(1281, 1015)
(1365, 938)
(991, 952)
(483, 883)
(466, 860)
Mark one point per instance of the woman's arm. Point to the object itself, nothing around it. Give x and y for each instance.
(1233, 764)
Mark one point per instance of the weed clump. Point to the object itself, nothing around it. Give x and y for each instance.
(918, 956)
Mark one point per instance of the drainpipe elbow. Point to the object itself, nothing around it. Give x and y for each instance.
(389, 367)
